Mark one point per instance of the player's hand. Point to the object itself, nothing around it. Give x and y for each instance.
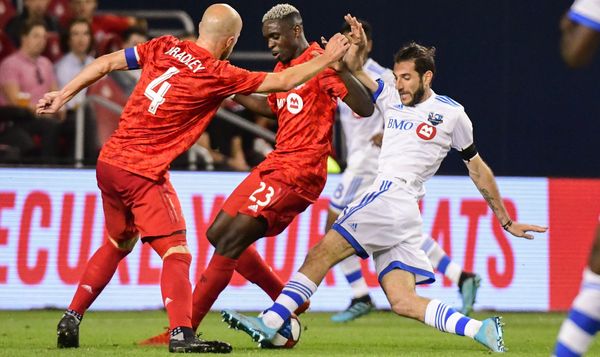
(336, 47)
(377, 139)
(338, 66)
(520, 229)
(355, 57)
(50, 103)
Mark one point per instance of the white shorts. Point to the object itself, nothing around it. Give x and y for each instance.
(352, 185)
(385, 222)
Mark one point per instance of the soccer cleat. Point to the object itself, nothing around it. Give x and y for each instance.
(302, 308)
(158, 340)
(67, 332)
(196, 345)
(490, 334)
(358, 307)
(468, 291)
(253, 326)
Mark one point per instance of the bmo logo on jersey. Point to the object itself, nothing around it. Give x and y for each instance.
(426, 131)
(294, 103)
(400, 124)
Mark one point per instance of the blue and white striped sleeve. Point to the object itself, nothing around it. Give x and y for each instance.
(586, 13)
(132, 57)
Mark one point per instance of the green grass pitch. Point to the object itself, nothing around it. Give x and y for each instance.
(33, 333)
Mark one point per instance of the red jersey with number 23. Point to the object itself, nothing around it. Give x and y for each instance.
(180, 89)
(305, 116)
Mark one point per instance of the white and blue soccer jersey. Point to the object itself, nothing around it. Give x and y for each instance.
(417, 139)
(586, 13)
(362, 155)
(385, 220)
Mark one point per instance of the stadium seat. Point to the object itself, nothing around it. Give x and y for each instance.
(60, 10)
(110, 43)
(7, 11)
(107, 120)
(6, 45)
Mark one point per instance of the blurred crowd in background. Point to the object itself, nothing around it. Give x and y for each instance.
(45, 45)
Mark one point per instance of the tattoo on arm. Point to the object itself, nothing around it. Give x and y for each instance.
(490, 200)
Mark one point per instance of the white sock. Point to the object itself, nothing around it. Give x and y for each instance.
(578, 330)
(299, 289)
(440, 260)
(352, 270)
(446, 319)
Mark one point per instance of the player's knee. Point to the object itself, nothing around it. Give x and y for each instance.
(212, 234)
(165, 246)
(125, 245)
(229, 244)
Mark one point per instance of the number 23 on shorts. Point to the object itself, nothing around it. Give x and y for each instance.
(263, 195)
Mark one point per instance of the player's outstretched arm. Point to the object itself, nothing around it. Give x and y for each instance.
(256, 103)
(53, 101)
(358, 98)
(355, 57)
(485, 182)
(578, 43)
(293, 76)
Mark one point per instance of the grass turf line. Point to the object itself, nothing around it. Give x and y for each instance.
(33, 333)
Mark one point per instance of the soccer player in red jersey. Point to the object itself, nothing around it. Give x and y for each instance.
(292, 176)
(181, 88)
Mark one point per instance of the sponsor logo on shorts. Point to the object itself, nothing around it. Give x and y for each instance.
(354, 226)
(426, 131)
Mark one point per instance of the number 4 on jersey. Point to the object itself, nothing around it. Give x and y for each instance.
(158, 97)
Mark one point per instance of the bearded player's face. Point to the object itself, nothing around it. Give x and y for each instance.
(409, 83)
(280, 36)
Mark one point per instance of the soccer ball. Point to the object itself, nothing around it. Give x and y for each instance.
(287, 336)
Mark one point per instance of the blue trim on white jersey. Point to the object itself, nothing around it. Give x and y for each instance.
(130, 57)
(360, 251)
(379, 89)
(447, 100)
(399, 265)
(583, 20)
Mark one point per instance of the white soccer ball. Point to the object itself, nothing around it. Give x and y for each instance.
(287, 336)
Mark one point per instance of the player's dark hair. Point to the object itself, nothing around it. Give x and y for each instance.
(134, 30)
(366, 26)
(424, 57)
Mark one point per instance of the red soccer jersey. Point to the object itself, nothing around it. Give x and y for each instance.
(180, 90)
(305, 115)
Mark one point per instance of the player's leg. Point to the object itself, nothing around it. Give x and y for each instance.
(97, 274)
(329, 251)
(350, 187)
(399, 287)
(467, 282)
(103, 264)
(230, 236)
(583, 322)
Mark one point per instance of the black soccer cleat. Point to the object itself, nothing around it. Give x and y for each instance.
(67, 332)
(197, 345)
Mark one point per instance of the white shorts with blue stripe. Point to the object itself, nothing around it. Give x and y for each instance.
(351, 185)
(385, 222)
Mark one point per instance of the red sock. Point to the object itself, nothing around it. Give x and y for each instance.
(176, 289)
(215, 279)
(98, 272)
(253, 267)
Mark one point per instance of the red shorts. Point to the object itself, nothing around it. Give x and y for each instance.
(137, 205)
(266, 196)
